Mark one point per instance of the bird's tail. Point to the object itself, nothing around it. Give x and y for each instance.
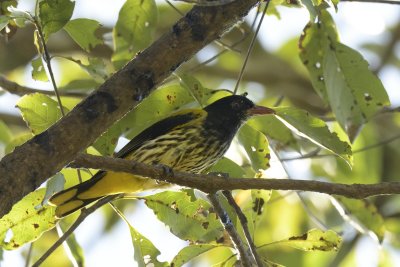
(73, 199)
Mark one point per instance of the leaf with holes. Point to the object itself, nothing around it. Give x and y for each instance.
(38, 70)
(314, 239)
(188, 219)
(133, 31)
(27, 220)
(256, 145)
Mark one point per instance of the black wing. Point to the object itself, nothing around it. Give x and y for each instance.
(158, 129)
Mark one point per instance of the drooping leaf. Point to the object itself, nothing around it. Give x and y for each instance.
(39, 111)
(145, 252)
(95, 67)
(315, 130)
(54, 14)
(354, 92)
(27, 220)
(256, 145)
(134, 29)
(38, 70)
(363, 215)
(82, 31)
(188, 219)
(188, 253)
(195, 88)
(272, 127)
(314, 239)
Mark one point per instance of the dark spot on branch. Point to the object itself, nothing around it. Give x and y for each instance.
(92, 104)
(43, 140)
(198, 30)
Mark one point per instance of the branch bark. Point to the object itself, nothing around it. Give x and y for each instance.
(214, 183)
(33, 162)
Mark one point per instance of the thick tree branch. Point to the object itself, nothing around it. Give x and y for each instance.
(33, 162)
(213, 183)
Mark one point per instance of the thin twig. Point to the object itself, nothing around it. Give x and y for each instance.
(47, 59)
(243, 222)
(253, 40)
(17, 89)
(229, 227)
(84, 213)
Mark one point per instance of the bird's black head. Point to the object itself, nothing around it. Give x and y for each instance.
(227, 114)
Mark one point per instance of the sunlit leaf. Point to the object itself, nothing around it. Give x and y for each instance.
(27, 221)
(188, 253)
(188, 219)
(83, 32)
(256, 145)
(38, 71)
(107, 142)
(95, 67)
(39, 111)
(314, 239)
(315, 130)
(195, 88)
(133, 31)
(54, 14)
(156, 106)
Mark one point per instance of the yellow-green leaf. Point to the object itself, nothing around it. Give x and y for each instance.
(26, 221)
(82, 31)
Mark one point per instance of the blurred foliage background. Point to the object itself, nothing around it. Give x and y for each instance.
(274, 76)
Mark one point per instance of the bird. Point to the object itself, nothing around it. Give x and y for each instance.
(190, 140)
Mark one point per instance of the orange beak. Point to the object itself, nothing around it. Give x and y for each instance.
(260, 110)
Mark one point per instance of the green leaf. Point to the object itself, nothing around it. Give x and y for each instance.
(256, 145)
(355, 93)
(228, 166)
(195, 88)
(145, 252)
(39, 111)
(16, 141)
(5, 133)
(314, 239)
(312, 45)
(188, 253)
(156, 106)
(272, 127)
(316, 131)
(27, 220)
(188, 219)
(95, 67)
(107, 142)
(38, 71)
(311, 8)
(54, 14)
(363, 215)
(133, 31)
(54, 184)
(82, 31)
(3, 22)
